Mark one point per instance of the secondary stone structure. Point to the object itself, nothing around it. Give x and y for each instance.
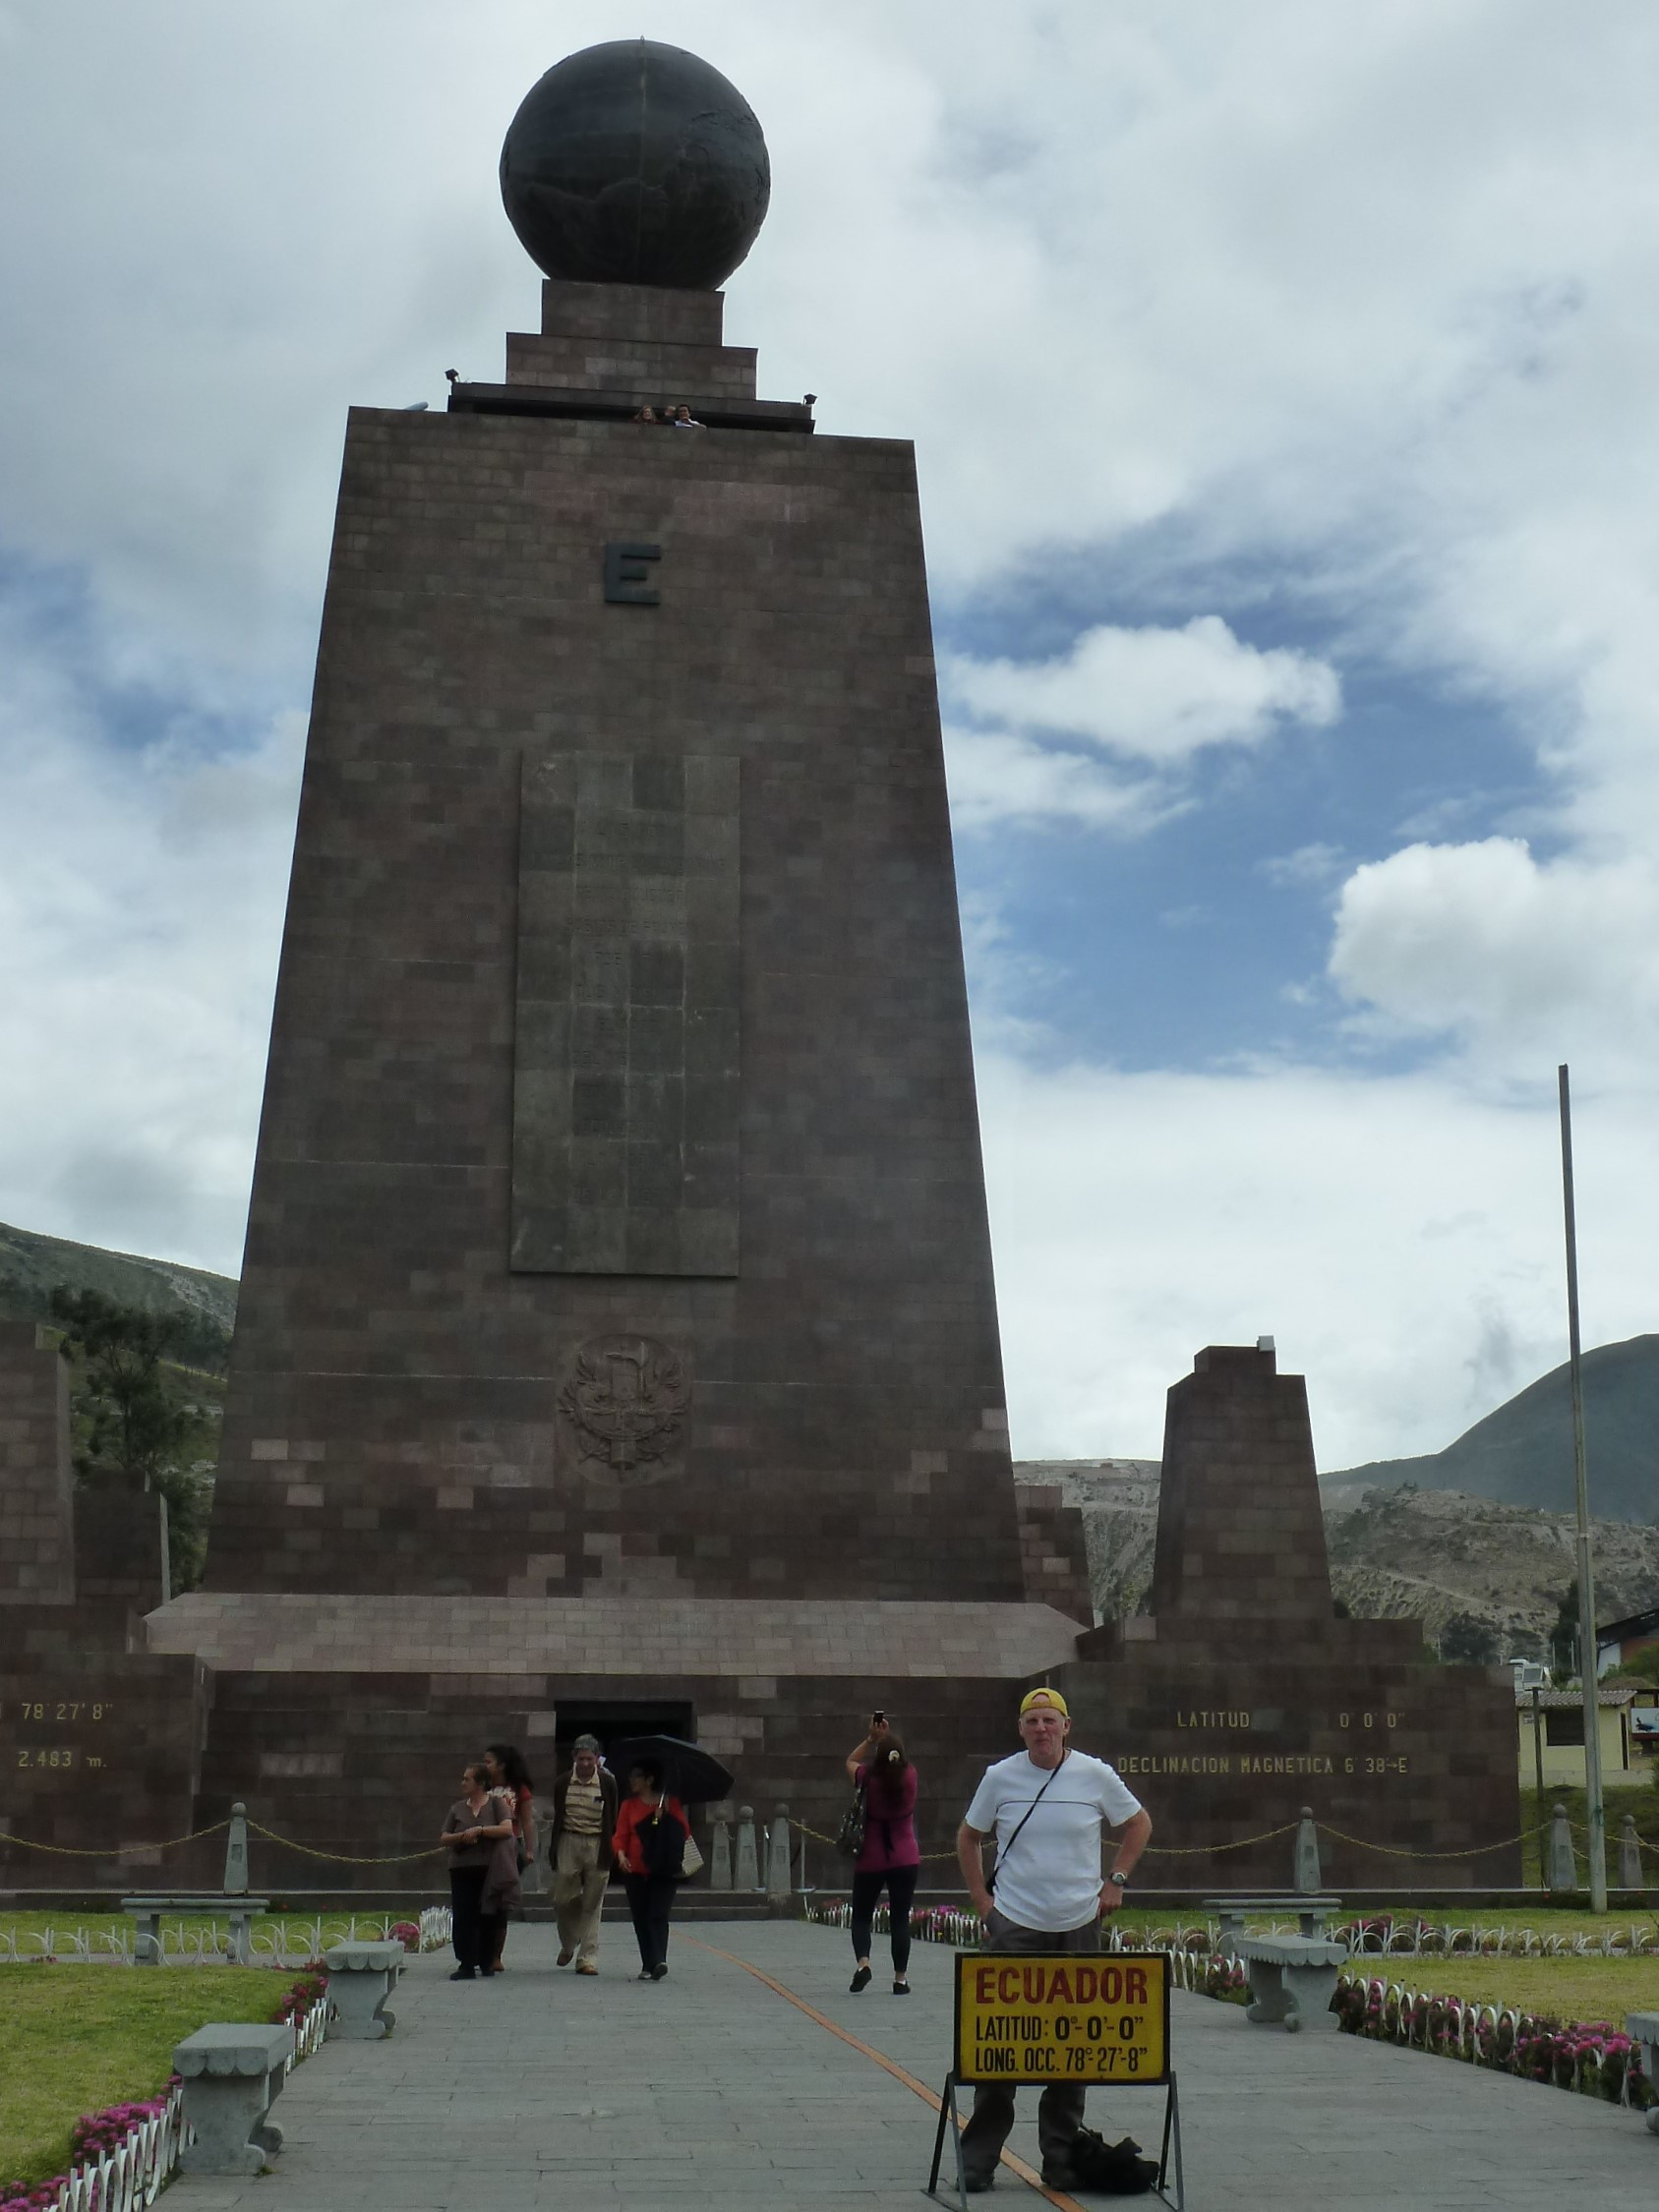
(618, 1341)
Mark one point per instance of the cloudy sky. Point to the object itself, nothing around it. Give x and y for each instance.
(1284, 386)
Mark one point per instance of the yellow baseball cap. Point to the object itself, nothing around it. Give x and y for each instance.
(1044, 1696)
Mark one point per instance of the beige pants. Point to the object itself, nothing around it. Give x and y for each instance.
(579, 1877)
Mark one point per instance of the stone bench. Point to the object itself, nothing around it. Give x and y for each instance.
(232, 2075)
(361, 1977)
(1292, 1979)
(149, 1913)
(1643, 2028)
(1313, 1914)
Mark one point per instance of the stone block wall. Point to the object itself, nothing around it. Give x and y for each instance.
(37, 1482)
(101, 1748)
(1054, 1553)
(1240, 1535)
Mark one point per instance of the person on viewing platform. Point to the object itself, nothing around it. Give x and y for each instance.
(479, 1822)
(650, 1842)
(584, 1818)
(890, 1856)
(683, 418)
(1046, 1808)
(510, 1778)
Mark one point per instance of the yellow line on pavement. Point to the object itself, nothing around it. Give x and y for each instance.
(1026, 2173)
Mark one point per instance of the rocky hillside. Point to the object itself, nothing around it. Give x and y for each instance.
(1465, 1567)
(32, 1266)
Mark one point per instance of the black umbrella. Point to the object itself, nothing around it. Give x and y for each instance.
(689, 1773)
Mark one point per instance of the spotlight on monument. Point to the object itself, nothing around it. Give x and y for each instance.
(635, 163)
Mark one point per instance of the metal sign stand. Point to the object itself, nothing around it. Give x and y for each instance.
(950, 2118)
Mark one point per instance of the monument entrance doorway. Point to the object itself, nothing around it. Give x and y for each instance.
(619, 1721)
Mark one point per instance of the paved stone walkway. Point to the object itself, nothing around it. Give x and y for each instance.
(710, 2090)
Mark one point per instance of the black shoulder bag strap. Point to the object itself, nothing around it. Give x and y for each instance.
(1024, 1817)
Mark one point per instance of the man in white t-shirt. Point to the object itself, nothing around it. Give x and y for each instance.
(1046, 1808)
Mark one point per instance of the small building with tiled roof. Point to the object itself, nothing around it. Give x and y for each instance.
(1551, 1724)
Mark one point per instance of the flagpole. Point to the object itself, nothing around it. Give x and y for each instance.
(1596, 1811)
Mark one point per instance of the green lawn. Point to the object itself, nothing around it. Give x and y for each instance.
(1565, 1989)
(74, 2039)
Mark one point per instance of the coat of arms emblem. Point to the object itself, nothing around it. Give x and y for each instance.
(627, 1401)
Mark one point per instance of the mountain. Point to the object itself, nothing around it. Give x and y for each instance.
(1522, 1454)
(1482, 1576)
(32, 1266)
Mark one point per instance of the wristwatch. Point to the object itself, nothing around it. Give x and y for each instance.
(1118, 1880)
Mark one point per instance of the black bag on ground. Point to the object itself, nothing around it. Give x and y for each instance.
(1114, 2168)
(850, 1836)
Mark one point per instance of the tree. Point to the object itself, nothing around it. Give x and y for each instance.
(1468, 1641)
(131, 1416)
(1563, 1638)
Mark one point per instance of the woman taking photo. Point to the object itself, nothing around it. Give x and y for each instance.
(479, 1825)
(890, 1856)
(650, 1847)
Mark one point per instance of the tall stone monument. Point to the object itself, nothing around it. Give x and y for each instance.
(618, 1226)
(617, 1343)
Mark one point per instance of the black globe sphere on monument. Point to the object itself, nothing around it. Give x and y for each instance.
(635, 163)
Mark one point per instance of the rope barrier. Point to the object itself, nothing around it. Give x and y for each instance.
(344, 1858)
(1393, 1851)
(1204, 1850)
(117, 1852)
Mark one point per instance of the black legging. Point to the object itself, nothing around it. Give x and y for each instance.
(867, 1890)
(650, 1899)
(472, 1929)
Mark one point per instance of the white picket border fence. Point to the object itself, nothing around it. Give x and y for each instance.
(290, 1943)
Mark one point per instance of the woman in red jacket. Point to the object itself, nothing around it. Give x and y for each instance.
(650, 1846)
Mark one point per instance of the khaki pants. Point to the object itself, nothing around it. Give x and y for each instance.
(579, 1876)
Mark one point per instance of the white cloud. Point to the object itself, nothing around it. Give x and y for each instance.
(140, 903)
(1157, 695)
(1309, 867)
(997, 775)
(1523, 963)
(1389, 1234)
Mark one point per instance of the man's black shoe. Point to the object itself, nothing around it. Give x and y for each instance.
(977, 2183)
(1059, 2174)
(463, 1975)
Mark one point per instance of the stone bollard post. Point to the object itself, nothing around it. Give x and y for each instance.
(1562, 1867)
(778, 1882)
(1305, 1878)
(236, 1852)
(747, 1874)
(720, 1854)
(1629, 1854)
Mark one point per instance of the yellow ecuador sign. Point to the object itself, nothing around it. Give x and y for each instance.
(1056, 2016)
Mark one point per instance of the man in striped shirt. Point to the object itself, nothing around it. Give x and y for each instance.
(584, 1820)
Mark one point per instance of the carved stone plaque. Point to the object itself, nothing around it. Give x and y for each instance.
(626, 1057)
(626, 1405)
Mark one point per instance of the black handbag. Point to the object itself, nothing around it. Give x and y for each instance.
(662, 1843)
(850, 1838)
(1114, 2168)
